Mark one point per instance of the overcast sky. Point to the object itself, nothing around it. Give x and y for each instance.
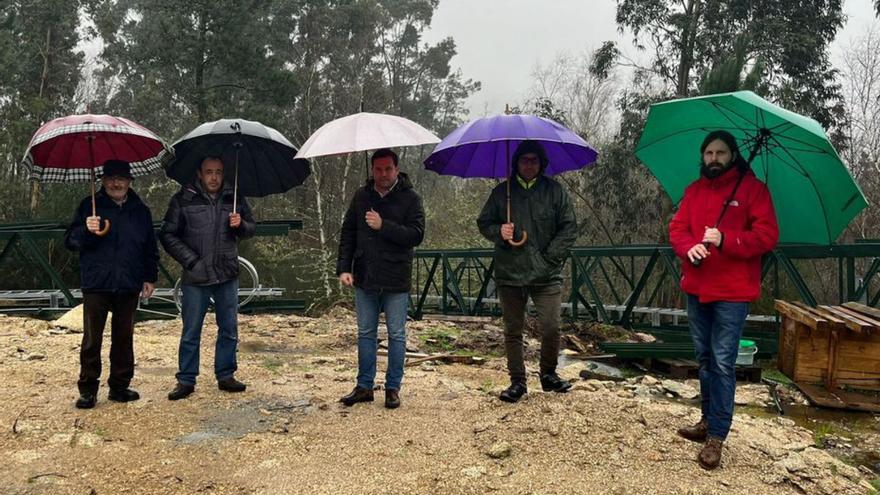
(500, 41)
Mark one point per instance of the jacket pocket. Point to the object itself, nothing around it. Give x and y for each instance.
(395, 269)
(198, 217)
(227, 266)
(198, 274)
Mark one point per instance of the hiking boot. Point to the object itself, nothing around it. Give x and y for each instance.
(231, 385)
(710, 456)
(357, 395)
(550, 382)
(695, 433)
(86, 401)
(181, 391)
(392, 399)
(123, 395)
(514, 392)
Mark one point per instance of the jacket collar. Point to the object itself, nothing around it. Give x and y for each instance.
(131, 199)
(728, 178)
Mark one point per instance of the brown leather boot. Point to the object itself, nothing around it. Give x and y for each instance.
(357, 395)
(710, 456)
(697, 432)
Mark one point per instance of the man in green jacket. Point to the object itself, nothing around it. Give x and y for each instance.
(542, 208)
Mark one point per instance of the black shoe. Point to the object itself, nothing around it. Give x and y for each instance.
(123, 395)
(86, 401)
(231, 385)
(392, 399)
(181, 391)
(514, 392)
(357, 395)
(551, 382)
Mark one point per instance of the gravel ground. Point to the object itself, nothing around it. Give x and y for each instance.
(287, 433)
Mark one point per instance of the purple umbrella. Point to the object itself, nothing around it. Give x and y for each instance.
(483, 147)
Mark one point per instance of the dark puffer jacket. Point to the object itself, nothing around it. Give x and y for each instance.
(382, 260)
(126, 257)
(196, 233)
(547, 215)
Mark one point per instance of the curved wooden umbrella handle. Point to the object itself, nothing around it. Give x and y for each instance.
(103, 231)
(520, 242)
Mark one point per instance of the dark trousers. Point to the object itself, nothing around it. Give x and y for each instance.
(95, 308)
(548, 304)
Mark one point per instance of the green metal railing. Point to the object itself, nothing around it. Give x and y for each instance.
(636, 279)
(21, 246)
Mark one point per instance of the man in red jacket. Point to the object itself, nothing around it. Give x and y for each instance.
(721, 274)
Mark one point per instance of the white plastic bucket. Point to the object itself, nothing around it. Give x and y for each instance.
(746, 355)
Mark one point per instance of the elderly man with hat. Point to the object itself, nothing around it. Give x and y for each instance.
(116, 268)
(541, 207)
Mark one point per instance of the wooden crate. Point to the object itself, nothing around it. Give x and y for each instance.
(838, 346)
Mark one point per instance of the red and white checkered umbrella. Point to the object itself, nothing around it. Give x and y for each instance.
(74, 149)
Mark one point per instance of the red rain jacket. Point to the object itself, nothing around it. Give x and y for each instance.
(733, 271)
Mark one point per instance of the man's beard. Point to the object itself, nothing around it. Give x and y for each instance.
(715, 169)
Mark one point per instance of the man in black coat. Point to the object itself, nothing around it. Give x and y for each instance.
(383, 224)
(115, 268)
(201, 232)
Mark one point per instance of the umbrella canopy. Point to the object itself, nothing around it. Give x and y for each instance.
(265, 158)
(483, 147)
(73, 148)
(814, 195)
(362, 132)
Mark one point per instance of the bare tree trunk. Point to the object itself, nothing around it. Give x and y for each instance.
(693, 10)
(44, 82)
(322, 236)
(201, 107)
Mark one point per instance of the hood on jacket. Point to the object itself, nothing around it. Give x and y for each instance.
(529, 146)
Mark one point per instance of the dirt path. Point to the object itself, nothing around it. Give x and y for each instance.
(287, 434)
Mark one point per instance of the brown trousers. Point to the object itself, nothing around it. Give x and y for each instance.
(95, 308)
(548, 304)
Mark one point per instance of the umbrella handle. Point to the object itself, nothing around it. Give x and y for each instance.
(520, 242)
(103, 231)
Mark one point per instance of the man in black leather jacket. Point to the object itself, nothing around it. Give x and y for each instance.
(201, 232)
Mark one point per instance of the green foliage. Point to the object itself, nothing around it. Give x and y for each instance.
(787, 40)
(439, 339)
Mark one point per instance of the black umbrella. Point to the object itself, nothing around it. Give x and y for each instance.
(258, 159)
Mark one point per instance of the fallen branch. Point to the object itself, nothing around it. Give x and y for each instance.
(38, 476)
(383, 352)
(413, 362)
(15, 430)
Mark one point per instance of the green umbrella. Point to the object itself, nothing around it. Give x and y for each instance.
(814, 195)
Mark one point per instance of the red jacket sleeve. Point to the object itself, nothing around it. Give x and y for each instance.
(763, 234)
(680, 236)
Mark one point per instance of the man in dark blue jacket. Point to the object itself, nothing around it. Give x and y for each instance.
(115, 268)
(201, 232)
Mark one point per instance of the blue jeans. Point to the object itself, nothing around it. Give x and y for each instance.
(193, 308)
(716, 328)
(368, 305)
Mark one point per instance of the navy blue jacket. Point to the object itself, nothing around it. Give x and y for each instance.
(126, 257)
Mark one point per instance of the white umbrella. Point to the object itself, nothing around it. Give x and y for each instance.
(365, 131)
